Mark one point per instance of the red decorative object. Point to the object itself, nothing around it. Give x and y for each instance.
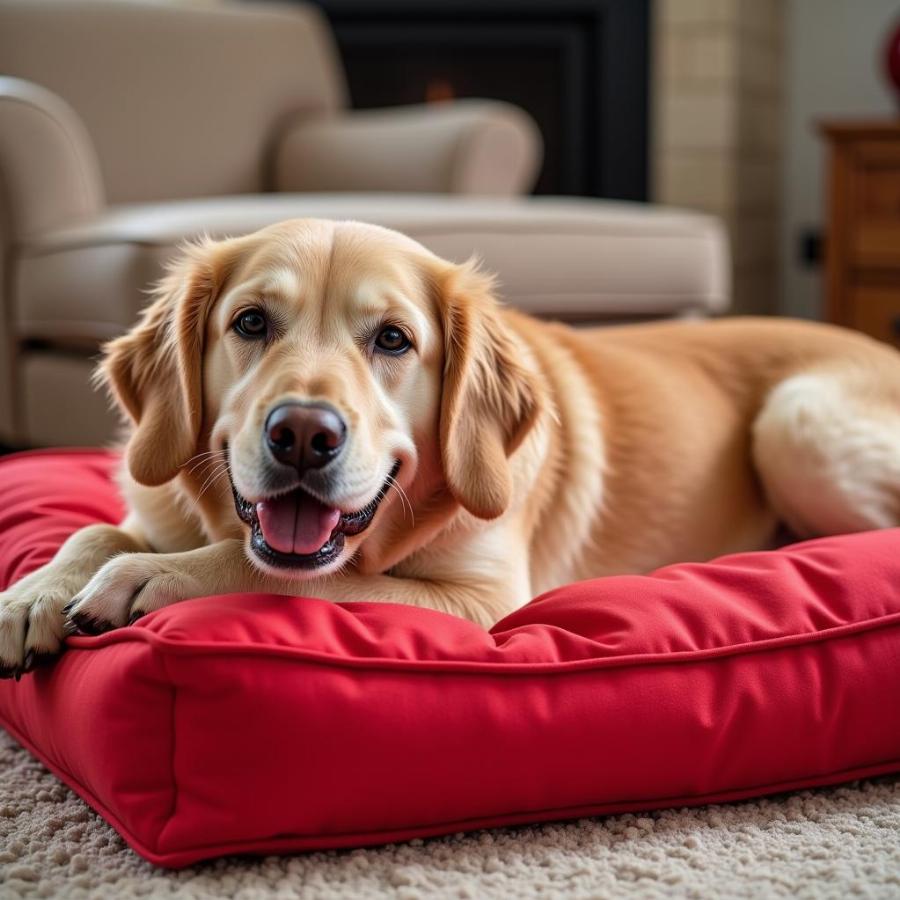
(892, 59)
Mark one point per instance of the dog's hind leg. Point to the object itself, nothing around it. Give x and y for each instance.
(827, 448)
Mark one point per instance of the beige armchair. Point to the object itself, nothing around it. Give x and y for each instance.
(126, 128)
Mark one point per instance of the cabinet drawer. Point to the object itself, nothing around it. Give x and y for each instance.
(878, 189)
(876, 244)
(875, 204)
(876, 311)
(875, 193)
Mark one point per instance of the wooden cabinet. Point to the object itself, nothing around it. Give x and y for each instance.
(863, 232)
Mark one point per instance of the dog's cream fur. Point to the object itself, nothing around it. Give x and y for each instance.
(531, 454)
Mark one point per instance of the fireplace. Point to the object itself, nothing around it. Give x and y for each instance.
(579, 67)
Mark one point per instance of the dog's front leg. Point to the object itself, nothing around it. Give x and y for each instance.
(130, 586)
(483, 603)
(32, 622)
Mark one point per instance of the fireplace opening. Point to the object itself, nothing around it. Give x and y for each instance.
(579, 67)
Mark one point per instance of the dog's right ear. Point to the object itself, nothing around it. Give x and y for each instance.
(490, 399)
(154, 372)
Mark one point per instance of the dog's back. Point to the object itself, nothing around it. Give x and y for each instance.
(710, 433)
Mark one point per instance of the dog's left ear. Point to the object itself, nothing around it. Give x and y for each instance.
(490, 399)
(154, 372)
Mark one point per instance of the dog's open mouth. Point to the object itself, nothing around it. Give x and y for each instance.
(297, 531)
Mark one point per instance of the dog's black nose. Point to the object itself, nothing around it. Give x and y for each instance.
(305, 435)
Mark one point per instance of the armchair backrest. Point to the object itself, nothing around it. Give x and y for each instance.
(180, 101)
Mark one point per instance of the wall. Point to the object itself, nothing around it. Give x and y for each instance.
(832, 70)
(717, 94)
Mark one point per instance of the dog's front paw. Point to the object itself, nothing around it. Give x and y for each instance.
(32, 624)
(124, 589)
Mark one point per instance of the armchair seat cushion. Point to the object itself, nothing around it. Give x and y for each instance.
(572, 258)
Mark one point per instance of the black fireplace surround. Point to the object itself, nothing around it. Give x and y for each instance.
(580, 68)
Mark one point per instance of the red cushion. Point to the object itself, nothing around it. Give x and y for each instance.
(258, 723)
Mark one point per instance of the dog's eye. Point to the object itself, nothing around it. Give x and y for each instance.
(392, 340)
(251, 324)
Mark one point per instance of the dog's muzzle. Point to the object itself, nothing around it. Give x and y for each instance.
(295, 530)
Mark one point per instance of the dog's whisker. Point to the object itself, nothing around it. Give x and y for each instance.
(208, 487)
(202, 490)
(211, 480)
(201, 463)
(404, 499)
(202, 459)
(201, 466)
(214, 475)
(205, 453)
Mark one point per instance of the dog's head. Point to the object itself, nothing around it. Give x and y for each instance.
(324, 368)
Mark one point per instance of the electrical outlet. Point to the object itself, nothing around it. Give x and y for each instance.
(810, 247)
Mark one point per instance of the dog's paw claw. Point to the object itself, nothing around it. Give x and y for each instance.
(135, 615)
(90, 625)
(36, 659)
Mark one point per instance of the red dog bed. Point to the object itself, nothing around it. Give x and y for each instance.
(258, 723)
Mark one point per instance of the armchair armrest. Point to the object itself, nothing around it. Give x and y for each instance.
(459, 147)
(49, 173)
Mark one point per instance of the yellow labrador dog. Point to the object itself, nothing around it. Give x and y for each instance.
(329, 409)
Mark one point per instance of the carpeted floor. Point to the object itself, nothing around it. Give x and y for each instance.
(842, 842)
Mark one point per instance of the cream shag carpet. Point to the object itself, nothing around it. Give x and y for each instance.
(840, 842)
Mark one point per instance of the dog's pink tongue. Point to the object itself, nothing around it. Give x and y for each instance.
(296, 523)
